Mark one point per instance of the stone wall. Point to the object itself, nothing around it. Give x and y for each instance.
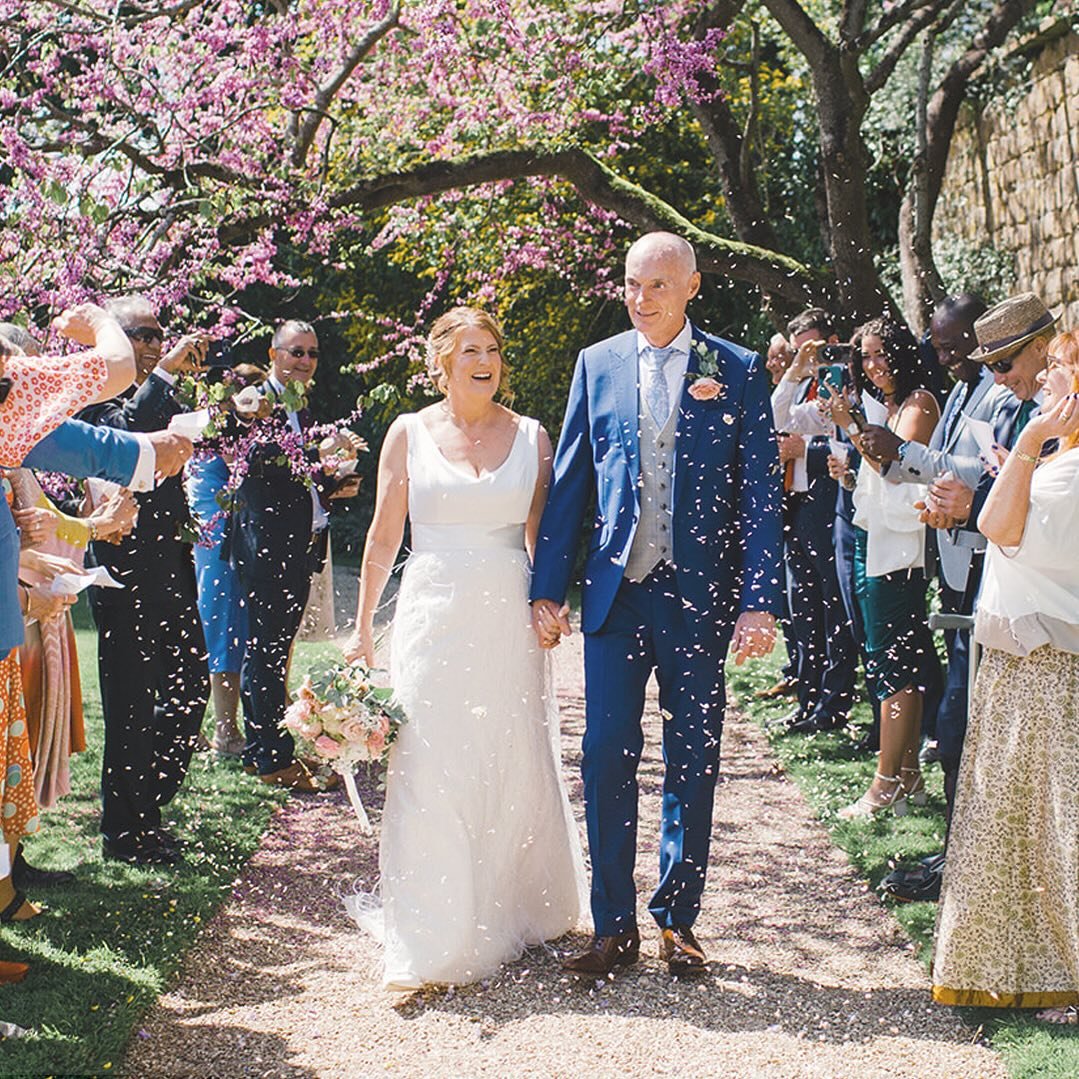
(1013, 179)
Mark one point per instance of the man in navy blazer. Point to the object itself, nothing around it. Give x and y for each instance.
(670, 431)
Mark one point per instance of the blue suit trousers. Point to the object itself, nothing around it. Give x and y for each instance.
(647, 631)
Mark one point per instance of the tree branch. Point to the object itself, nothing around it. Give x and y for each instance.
(770, 271)
(897, 14)
(801, 29)
(943, 108)
(851, 20)
(894, 53)
(302, 132)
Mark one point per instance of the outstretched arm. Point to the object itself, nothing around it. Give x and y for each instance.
(383, 540)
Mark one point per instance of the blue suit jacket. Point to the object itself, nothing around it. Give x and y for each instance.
(76, 449)
(727, 540)
(80, 450)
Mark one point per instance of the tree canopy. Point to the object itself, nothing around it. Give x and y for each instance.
(201, 150)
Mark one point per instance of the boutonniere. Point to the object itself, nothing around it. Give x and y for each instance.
(703, 384)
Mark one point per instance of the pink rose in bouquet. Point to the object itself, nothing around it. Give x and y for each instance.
(327, 746)
(353, 730)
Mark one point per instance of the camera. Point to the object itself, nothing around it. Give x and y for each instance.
(835, 354)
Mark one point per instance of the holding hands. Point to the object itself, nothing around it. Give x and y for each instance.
(550, 622)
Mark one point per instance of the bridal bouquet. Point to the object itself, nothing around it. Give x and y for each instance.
(342, 719)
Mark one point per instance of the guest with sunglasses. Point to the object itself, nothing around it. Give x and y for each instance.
(1006, 931)
(151, 650)
(278, 533)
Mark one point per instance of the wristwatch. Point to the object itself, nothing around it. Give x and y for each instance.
(900, 450)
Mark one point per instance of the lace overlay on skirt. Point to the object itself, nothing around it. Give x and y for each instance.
(480, 856)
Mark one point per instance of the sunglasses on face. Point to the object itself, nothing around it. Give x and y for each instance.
(5, 388)
(1002, 367)
(298, 353)
(146, 334)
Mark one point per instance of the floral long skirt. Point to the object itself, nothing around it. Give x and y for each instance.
(1008, 923)
(18, 808)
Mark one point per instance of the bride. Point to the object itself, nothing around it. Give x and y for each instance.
(479, 856)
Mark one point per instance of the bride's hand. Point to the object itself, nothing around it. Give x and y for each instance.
(550, 622)
(360, 646)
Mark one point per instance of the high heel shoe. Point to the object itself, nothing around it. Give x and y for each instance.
(913, 789)
(870, 806)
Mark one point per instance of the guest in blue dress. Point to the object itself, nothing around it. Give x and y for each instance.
(221, 602)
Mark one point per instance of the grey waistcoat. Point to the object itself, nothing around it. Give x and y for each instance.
(653, 540)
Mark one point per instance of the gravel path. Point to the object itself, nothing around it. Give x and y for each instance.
(810, 975)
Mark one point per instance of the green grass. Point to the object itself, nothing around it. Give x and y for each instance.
(109, 943)
(831, 774)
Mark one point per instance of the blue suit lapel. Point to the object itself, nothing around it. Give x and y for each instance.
(624, 382)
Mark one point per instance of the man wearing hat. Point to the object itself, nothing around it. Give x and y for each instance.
(1012, 345)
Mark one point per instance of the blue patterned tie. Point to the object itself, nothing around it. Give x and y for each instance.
(655, 383)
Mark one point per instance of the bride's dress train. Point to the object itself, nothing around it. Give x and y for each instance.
(480, 855)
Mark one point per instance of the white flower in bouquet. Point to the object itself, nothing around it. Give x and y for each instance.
(248, 401)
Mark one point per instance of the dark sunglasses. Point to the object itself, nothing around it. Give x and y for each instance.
(1002, 367)
(298, 353)
(146, 334)
(5, 388)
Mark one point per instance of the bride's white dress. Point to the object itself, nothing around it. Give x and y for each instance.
(480, 855)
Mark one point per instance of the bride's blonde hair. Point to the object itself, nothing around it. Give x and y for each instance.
(443, 338)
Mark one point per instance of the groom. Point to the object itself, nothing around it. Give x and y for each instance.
(670, 430)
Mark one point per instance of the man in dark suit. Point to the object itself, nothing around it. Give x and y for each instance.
(826, 650)
(151, 652)
(277, 540)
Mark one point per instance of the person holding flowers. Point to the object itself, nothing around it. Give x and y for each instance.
(479, 855)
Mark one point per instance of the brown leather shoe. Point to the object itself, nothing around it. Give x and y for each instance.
(785, 687)
(679, 949)
(299, 778)
(605, 954)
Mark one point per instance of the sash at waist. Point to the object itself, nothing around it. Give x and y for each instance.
(467, 537)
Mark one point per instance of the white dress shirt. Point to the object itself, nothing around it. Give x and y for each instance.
(799, 418)
(674, 370)
(320, 519)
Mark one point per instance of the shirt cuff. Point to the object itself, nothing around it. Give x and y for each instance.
(142, 479)
(165, 376)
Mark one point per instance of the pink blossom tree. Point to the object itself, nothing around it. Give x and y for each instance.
(182, 148)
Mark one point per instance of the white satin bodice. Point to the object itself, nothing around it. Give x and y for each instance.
(451, 509)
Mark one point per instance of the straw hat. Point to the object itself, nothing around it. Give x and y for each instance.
(1008, 324)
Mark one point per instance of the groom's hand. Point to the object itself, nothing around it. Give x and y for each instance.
(754, 636)
(550, 622)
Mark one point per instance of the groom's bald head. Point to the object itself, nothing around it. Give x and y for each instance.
(661, 279)
(665, 245)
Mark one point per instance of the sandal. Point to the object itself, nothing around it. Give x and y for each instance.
(869, 806)
(913, 785)
(228, 747)
(19, 901)
(1066, 1016)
